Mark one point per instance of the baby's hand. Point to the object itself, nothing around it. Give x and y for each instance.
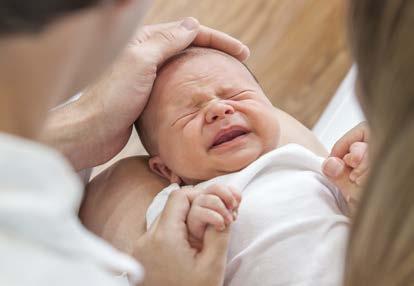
(357, 161)
(348, 166)
(216, 205)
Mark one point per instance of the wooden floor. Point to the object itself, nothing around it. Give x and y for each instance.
(299, 50)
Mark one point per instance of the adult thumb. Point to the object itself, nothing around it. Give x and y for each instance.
(167, 40)
(214, 252)
(337, 172)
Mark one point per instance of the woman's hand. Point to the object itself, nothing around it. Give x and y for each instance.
(348, 165)
(167, 256)
(95, 128)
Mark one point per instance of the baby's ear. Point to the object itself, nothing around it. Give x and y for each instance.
(157, 165)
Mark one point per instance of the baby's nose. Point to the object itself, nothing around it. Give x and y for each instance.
(218, 110)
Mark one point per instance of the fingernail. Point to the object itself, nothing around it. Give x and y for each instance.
(235, 204)
(229, 217)
(189, 23)
(332, 167)
(246, 48)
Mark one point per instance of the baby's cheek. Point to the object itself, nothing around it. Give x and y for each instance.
(266, 125)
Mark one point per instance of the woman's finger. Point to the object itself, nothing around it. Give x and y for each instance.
(175, 211)
(333, 167)
(214, 253)
(359, 133)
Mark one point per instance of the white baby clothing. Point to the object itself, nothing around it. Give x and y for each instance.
(292, 226)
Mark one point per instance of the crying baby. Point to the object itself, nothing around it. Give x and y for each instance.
(210, 129)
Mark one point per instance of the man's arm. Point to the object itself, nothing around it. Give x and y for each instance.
(73, 130)
(95, 128)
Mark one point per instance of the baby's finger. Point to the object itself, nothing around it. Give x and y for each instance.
(223, 193)
(362, 179)
(238, 197)
(359, 133)
(361, 170)
(214, 203)
(236, 194)
(357, 152)
(359, 176)
(349, 161)
(199, 218)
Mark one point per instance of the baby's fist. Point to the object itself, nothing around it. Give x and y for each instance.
(348, 165)
(216, 205)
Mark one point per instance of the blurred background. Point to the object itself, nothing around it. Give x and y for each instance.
(299, 49)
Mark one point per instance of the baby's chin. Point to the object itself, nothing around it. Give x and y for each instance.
(239, 160)
(229, 163)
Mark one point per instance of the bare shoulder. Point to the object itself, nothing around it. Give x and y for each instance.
(293, 131)
(116, 201)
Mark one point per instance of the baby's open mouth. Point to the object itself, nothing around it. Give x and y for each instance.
(228, 135)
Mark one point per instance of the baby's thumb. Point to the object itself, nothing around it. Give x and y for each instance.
(214, 252)
(169, 40)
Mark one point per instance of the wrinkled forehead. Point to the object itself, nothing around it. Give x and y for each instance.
(200, 72)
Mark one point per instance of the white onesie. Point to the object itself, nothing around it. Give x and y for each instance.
(291, 229)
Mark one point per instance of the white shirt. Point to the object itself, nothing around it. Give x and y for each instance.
(291, 228)
(42, 241)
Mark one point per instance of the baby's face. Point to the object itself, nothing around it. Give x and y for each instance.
(211, 117)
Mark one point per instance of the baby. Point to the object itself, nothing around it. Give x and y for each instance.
(209, 125)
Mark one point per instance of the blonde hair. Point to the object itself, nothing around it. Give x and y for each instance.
(381, 248)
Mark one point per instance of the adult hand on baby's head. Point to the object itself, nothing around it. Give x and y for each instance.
(121, 95)
(169, 259)
(348, 165)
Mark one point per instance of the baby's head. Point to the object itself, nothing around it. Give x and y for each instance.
(207, 116)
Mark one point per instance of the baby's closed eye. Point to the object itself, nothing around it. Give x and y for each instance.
(239, 95)
(186, 116)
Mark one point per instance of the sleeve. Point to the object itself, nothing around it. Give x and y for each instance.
(158, 203)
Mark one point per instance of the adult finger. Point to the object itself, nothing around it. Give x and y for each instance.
(175, 211)
(359, 133)
(333, 167)
(208, 37)
(338, 174)
(166, 40)
(214, 252)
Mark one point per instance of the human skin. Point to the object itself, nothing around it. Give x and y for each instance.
(348, 164)
(202, 99)
(40, 70)
(95, 128)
